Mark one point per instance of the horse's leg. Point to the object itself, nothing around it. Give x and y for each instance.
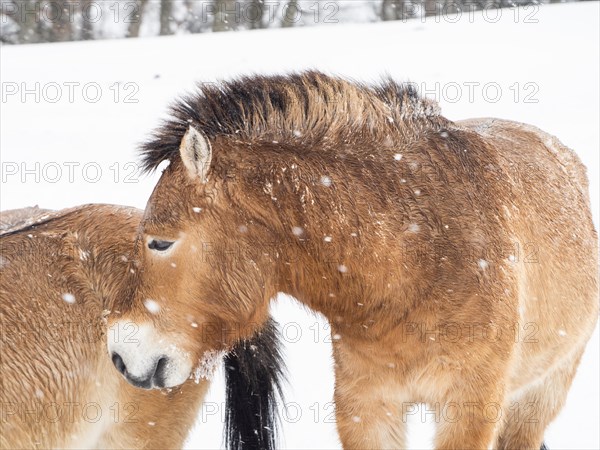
(369, 425)
(366, 417)
(472, 413)
(528, 415)
(151, 419)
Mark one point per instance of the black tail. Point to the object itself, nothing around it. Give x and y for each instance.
(254, 371)
(543, 447)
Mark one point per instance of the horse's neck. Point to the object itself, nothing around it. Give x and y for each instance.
(319, 263)
(328, 246)
(101, 268)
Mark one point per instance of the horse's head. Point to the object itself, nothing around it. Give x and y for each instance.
(199, 284)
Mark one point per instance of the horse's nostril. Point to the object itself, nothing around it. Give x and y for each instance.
(119, 364)
(155, 378)
(160, 372)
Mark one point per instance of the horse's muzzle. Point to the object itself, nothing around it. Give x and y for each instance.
(155, 378)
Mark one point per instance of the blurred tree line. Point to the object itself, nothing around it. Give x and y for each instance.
(31, 21)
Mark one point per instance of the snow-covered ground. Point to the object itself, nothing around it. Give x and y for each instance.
(70, 139)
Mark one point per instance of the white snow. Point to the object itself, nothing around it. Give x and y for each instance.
(207, 365)
(152, 306)
(326, 181)
(69, 298)
(414, 228)
(93, 143)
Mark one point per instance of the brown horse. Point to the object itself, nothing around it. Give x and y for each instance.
(61, 275)
(456, 262)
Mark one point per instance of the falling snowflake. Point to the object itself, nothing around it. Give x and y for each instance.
(69, 298)
(152, 306)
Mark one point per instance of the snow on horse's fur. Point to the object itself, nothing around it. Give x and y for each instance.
(456, 261)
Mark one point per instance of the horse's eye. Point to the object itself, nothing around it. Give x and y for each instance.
(160, 246)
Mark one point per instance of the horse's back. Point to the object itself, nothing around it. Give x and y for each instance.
(532, 148)
(17, 218)
(555, 243)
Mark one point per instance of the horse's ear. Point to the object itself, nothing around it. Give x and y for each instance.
(196, 153)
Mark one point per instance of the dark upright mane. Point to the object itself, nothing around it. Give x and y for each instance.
(301, 109)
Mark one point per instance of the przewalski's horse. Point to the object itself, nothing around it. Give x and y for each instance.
(456, 261)
(60, 275)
